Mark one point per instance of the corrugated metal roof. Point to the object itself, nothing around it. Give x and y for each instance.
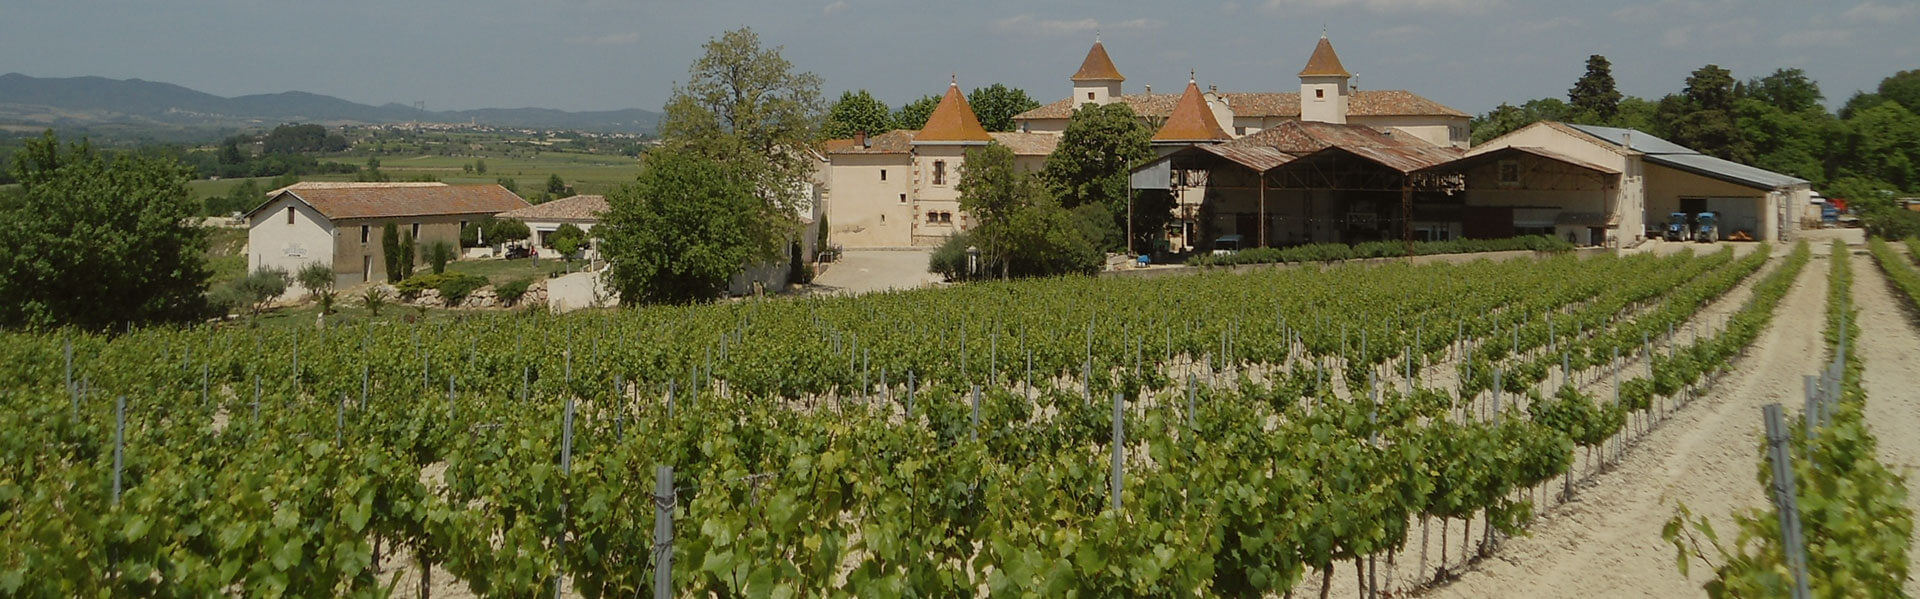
(1640, 142)
(392, 202)
(1663, 152)
(1726, 170)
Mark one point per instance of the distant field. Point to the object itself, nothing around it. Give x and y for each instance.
(587, 173)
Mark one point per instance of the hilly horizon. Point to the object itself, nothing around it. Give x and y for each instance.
(135, 104)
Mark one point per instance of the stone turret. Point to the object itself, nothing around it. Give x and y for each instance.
(1324, 87)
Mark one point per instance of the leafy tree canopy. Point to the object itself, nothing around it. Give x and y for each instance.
(997, 104)
(1594, 95)
(99, 242)
(913, 115)
(679, 232)
(857, 112)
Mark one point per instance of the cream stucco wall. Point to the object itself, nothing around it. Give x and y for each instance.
(273, 242)
(350, 254)
(865, 211)
(1629, 197)
(1756, 211)
(942, 197)
(1330, 106)
(1094, 92)
(1439, 130)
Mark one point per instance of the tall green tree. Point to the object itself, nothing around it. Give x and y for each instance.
(1902, 88)
(746, 106)
(557, 187)
(97, 242)
(1789, 90)
(857, 112)
(390, 251)
(1099, 147)
(1594, 97)
(997, 104)
(1018, 226)
(681, 230)
(1506, 118)
(913, 115)
(1702, 118)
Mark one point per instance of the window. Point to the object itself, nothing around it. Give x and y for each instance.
(289, 215)
(1089, 96)
(883, 174)
(946, 218)
(939, 172)
(903, 198)
(366, 265)
(933, 216)
(365, 233)
(1319, 94)
(1239, 131)
(416, 231)
(1509, 173)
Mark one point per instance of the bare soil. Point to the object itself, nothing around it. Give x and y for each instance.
(1889, 348)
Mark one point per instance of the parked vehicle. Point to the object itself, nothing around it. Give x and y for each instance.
(1705, 230)
(1677, 227)
(519, 251)
(1226, 244)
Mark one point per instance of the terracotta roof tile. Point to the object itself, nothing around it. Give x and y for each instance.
(1385, 102)
(1191, 120)
(583, 208)
(898, 141)
(353, 185)
(390, 201)
(1301, 138)
(1097, 66)
(1324, 63)
(1027, 144)
(953, 121)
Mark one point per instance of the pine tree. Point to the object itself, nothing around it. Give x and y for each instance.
(1594, 95)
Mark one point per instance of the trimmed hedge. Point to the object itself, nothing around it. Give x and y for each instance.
(1327, 252)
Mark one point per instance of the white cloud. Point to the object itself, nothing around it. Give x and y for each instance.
(1390, 6)
(1546, 26)
(836, 6)
(1875, 12)
(1676, 37)
(1830, 37)
(611, 39)
(1399, 32)
(1026, 24)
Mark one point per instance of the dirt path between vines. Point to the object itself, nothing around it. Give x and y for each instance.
(1889, 347)
(1606, 543)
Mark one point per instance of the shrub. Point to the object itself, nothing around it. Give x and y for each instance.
(455, 287)
(950, 259)
(315, 277)
(390, 251)
(258, 288)
(568, 239)
(407, 255)
(439, 253)
(510, 292)
(506, 230)
(1326, 252)
(374, 298)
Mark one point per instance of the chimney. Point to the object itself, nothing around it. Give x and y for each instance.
(860, 139)
(1149, 89)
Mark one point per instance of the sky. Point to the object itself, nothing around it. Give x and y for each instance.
(612, 54)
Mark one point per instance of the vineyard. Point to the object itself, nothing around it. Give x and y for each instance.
(1220, 434)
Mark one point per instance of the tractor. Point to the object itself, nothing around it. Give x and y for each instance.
(1677, 227)
(1705, 229)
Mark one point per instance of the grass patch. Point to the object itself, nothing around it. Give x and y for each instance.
(499, 271)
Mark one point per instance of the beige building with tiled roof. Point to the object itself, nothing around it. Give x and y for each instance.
(897, 189)
(583, 211)
(340, 224)
(1325, 95)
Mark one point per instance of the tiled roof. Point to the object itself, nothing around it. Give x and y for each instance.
(1097, 66)
(576, 208)
(1028, 144)
(1384, 102)
(1324, 63)
(898, 141)
(952, 121)
(390, 201)
(835, 145)
(1191, 120)
(1301, 138)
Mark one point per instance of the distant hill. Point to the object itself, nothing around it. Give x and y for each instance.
(98, 102)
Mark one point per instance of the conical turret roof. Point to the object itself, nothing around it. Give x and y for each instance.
(953, 121)
(1097, 66)
(1191, 120)
(1324, 63)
